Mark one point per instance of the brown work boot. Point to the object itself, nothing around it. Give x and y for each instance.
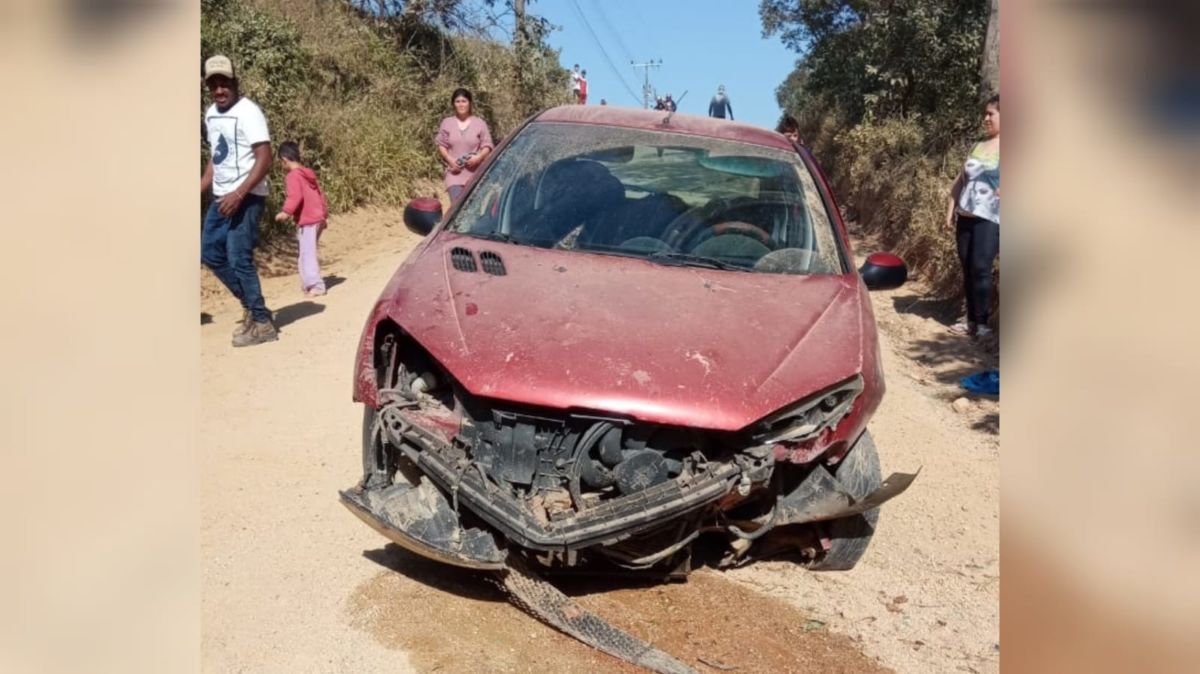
(244, 324)
(257, 333)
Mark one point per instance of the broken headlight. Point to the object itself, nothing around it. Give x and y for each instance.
(807, 418)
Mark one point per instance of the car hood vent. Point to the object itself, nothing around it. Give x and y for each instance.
(492, 263)
(463, 259)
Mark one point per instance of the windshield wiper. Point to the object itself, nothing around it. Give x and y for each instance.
(496, 236)
(689, 260)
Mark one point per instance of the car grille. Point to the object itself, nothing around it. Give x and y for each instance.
(463, 259)
(492, 263)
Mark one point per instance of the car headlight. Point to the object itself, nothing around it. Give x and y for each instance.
(807, 418)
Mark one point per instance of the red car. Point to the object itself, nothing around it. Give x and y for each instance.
(636, 343)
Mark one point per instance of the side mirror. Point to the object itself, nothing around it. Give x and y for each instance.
(883, 271)
(422, 214)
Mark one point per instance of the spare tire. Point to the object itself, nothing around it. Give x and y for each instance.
(849, 537)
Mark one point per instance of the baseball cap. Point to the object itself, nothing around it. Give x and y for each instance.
(218, 65)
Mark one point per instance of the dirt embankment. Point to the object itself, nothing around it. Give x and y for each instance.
(293, 583)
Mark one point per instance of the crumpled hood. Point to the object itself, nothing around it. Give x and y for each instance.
(674, 345)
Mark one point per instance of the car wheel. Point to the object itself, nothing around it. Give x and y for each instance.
(849, 537)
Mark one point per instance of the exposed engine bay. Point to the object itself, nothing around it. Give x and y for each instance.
(468, 480)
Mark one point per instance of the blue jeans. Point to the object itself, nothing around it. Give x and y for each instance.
(227, 248)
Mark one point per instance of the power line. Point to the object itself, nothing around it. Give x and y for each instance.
(603, 52)
(598, 7)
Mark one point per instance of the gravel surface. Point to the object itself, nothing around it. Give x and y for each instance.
(294, 583)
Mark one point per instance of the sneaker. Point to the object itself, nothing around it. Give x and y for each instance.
(983, 332)
(257, 333)
(963, 327)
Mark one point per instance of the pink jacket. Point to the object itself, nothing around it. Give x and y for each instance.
(305, 201)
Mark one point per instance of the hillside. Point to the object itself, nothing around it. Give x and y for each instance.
(363, 95)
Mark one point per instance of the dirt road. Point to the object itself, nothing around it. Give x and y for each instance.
(294, 583)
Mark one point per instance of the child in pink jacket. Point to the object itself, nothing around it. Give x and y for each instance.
(306, 204)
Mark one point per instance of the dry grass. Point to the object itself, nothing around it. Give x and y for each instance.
(897, 190)
(364, 97)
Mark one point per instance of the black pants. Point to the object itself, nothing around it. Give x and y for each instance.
(978, 245)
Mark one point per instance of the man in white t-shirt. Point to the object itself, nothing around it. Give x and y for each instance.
(575, 76)
(237, 174)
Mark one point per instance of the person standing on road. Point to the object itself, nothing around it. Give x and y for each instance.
(720, 105)
(463, 142)
(237, 174)
(305, 203)
(583, 88)
(974, 214)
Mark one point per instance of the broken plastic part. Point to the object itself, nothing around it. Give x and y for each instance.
(822, 497)
(421, 520)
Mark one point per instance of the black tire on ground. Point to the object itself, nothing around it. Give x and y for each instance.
(849, 537)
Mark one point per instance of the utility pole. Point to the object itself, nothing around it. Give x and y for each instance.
(519, 22)
(647, 90)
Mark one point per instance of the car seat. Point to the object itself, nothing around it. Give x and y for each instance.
(637, 218)
(573, 192)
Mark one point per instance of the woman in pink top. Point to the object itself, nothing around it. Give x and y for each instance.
(306, 204)
(463, 141)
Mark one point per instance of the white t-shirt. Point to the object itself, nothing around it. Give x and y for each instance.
(575, 77)
(231, 137)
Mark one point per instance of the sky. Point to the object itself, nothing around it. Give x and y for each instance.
(702, 43)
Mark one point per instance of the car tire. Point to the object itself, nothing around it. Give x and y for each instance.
(849, 537)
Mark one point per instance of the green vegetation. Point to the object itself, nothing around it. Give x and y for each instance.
(889, 96)
(363, 94)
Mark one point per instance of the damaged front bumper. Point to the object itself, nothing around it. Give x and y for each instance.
(420, 520)
(425, 518)
(821, 497)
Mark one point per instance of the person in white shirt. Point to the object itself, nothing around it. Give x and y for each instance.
(575, 85)
(237, 175)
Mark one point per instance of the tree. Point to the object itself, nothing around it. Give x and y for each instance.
(991, 52)
(875, 59)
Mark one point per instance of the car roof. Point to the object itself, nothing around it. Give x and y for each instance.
(652, 120)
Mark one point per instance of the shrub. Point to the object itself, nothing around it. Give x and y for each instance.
(362, 95)
(887, 95)
(896, 190)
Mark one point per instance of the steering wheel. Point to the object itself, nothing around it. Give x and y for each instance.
(743, 228)
(692, 226)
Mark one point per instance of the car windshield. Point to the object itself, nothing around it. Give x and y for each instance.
(666, 197)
